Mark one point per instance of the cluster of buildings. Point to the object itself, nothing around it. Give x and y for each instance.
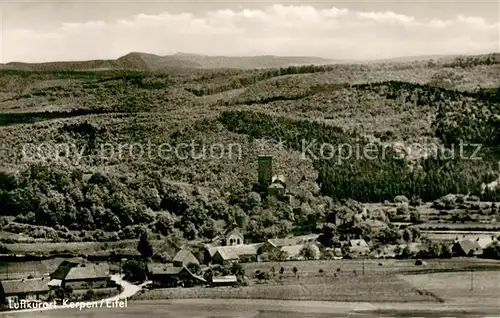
(76, 275)
(176, 274)
(231, 247)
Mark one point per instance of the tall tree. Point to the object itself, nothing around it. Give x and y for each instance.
(144, 246)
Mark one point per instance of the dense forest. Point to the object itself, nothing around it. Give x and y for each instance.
(110, 200)
(376, 179)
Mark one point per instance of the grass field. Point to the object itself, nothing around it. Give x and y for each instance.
(453, 235)
(464, 287)
(221, 308)
(337, 282)
(327, 288)
(77, 247)
(371, 267)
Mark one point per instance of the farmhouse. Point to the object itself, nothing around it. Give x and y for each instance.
(359, 247)
(229, 280)
(29, 289)
(294, 252)
(359, 242)
(467, 248)
(169, 276)
(184, 258)
(273, 243)
(81, 276)
(224, 257)
(224, 254)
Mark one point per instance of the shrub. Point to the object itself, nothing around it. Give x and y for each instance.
(262, 276)
(401, 199)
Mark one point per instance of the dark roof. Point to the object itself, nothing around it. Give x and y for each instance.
(182, 255)
(62, 270)
(128, 252)
(102, 253)
(25, 285)
(159, 268)
(69, 271)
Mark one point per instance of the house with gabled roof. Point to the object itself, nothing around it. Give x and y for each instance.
(358, 247)
(184, 258)
(293, 251)
(81, 276)
(230, 253)
(224, 256)
(278, 243)
(29, 289)
(466, 248)
(165, 275)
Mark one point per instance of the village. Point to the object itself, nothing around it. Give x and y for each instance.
(228, 260)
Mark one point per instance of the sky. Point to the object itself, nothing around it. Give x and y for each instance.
(39, 31)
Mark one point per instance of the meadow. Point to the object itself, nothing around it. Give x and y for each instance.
(467, 288)
(339, 280)
(369, 289)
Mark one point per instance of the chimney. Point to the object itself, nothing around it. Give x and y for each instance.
(265, 170)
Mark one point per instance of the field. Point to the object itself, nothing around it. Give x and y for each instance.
(77, 248)
(451, 235)
(371, 267)
(379, 283)
(212, 308)
(327, 288)
(467, 288)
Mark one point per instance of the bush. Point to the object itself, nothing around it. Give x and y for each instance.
(401, 199)
(89, 295)
(262, 276)
(134, 271)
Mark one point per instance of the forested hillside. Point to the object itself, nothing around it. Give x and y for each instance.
(94, 191)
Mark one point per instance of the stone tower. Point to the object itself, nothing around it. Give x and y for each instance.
(265, 170)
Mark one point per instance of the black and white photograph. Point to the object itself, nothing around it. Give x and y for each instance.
(249, 159)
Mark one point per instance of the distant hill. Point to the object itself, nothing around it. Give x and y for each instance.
(152, 62)
(155, 63)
